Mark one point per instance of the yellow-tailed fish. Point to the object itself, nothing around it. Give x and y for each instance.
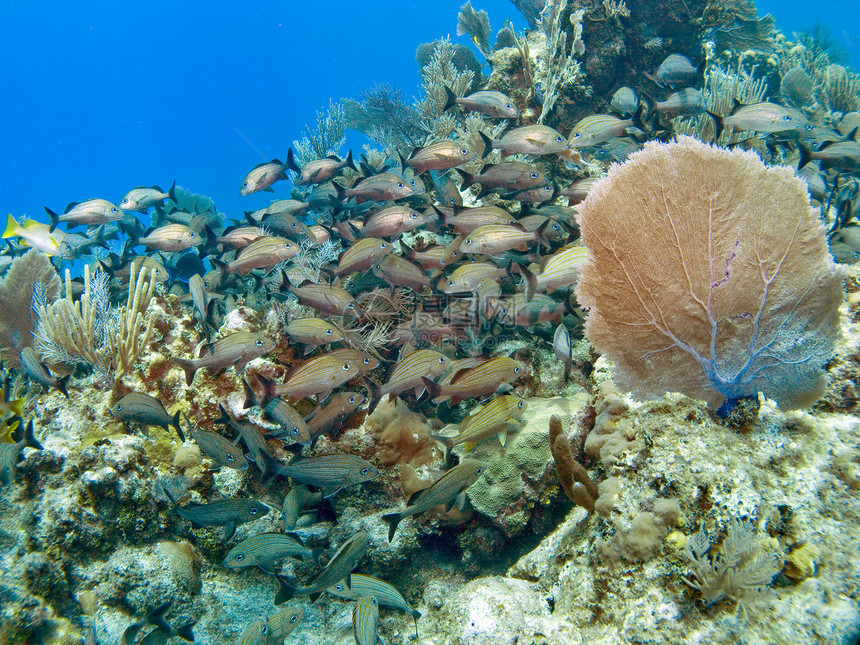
(295, 500)
(362, 586)
(761, 117)
(467, 277)
(447, 490)
(597, 128)
(292, 423)
(519, 310)
(34, 234)
(495, 239)
(169, 238)
(384, 187)
(219, 449)
(329, 416)
(228, 513)
(466, 220)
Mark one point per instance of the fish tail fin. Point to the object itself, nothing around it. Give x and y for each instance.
(188, 367)
(11, 229)
(450, 99)
(171, 193)
(250, 396)
(449, 446)
(468, 179)
(175, 424)
(392, 520)
(528, 277)
(349, 162)
(285, 592)
(29, 438)
(291, 162)
(805, 156)
(185, 631)
(433, 389)
(374, 392)
(268, 391)
(488, 144)
(54, 217)
(156, 616)
(637, 118)
(718, 122)
(62, 385)
(541, 236)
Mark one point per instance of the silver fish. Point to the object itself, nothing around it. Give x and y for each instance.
(136, 407)
(528, 140)
(292, 423)
(236, 349)
(141, 199)
(264, 550)
(262, 176)
(338, 568)
(446, 490)
(228, 513)
(219, 449)
(295, 500)
(38, 373)
(330, 473)
(90, 212)
(319, 170)
(486, 102)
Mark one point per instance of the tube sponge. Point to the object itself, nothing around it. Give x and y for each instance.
(708, 274)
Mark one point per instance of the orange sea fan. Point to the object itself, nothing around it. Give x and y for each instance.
(708, 274)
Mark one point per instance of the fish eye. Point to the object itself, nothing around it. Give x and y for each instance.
(328, 332)
(125, 201)
(464, 151)
(338, 587)
(383, 245)
(244, 184)
(507, 105)
(352, 399)
(400, 185)
(364, 471)
(468, 242)
(450, 283)
(366, 361)
(350, 306)
(441, 359)
(259, 343)
(114, 210)
(517, 370)
(559, 139)
(293, 225)
(231, 458)
(374, 600)
(412, 182)
(253, 510)
(787, 117)
(287, 245)
(346, 366)
(577, 135)
(118, 407)
(533, 175)
(555, 227)
(480, 469)
(240, 557)
(520, 404)
(295, 430)
(414, 216)
(294, 618)
(265, 630)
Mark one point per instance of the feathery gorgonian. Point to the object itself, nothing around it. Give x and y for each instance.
(709, 274)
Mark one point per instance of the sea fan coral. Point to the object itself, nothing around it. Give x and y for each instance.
(709, 274)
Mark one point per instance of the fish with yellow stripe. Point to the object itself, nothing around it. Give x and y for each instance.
(491, 419)
(236, 349)
(490, 376)
(34, 234)
(407, 375)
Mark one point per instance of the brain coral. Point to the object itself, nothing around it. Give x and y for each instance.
(708, 274)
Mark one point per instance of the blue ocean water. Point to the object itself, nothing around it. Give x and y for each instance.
(100, 97)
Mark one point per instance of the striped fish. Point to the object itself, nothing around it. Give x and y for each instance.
(559, 270)
(38, 373)
(262, 253)
(338, 568)
(528, 140)
(365, 621)
(200, 302)
(219, 449)
(274, 629)
(490, 419)
(519, 310)
(494, 239)
(313, 332)
(386, 186)
(362, 586)
(330, 473)
(329, 417)
(240, 236)
(490, 376)
(169, 238)
(439, 155)
(466, 220)
(407, 375)
(228, 513)
(362, 254)
(91, 212)
(318, 170)
(236, 349)
(295, 500)
(400, 272)
(292, 423)
(433, 257)
(262, 176)
(597, 128)
(467, 277)
(136, 407)
(258, 449)
(265, 550)
(448, 489)
(141, 199)
(391, 222)
(326, 298)
(321, 375)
